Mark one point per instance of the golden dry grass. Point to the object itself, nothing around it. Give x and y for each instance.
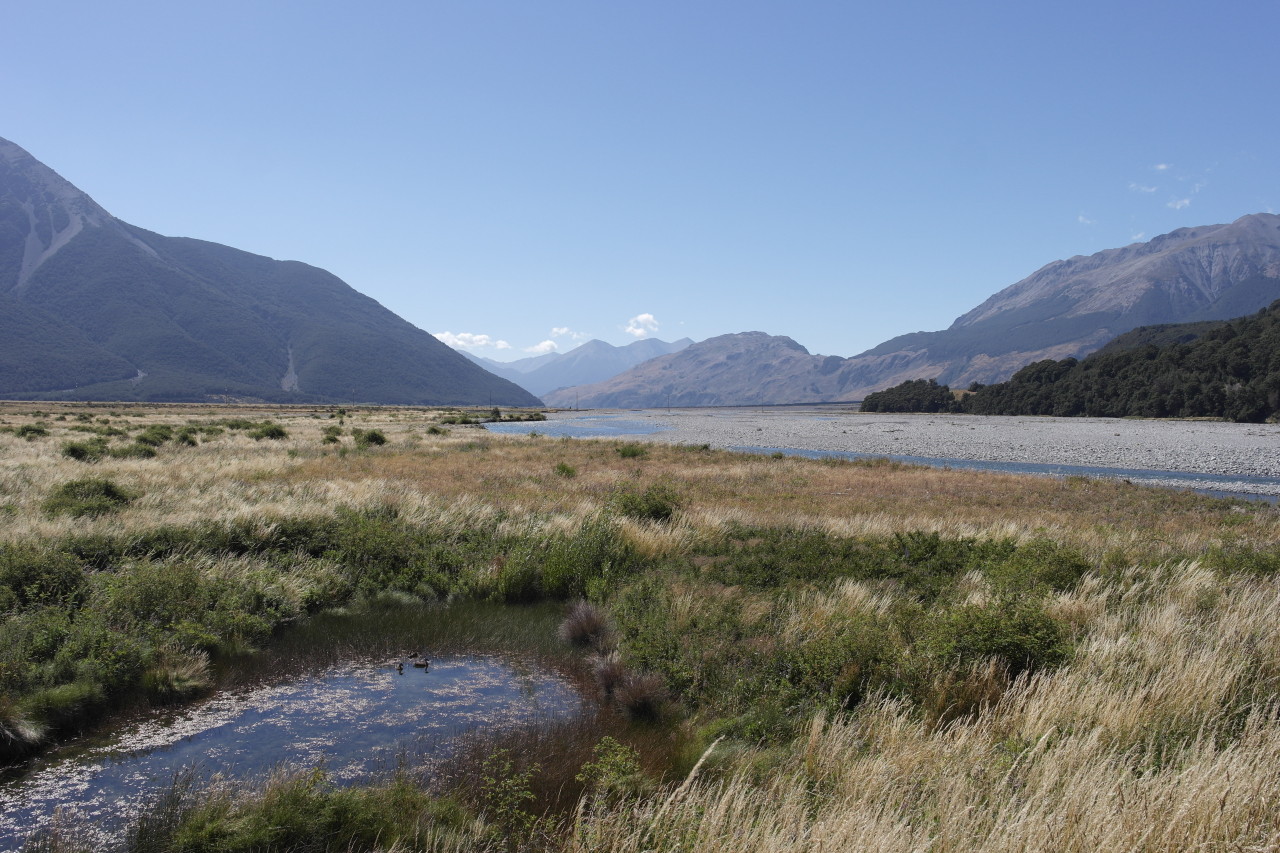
(1161, 733)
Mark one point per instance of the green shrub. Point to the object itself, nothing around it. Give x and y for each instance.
(563, 469)
(85, 451)
(631, 451)
(137, 450)
(242, 424)
(90, 496)
(275, 432)
(613, 771)
(1020, 634)
(503, 791)
(656, 503)
(39, 576)
(366, 438)
(31, 431)
(331, 435)
(155, 435)
(435, 430)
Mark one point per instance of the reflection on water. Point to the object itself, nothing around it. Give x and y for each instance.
(356, 718)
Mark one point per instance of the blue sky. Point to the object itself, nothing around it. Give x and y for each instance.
(538, 172)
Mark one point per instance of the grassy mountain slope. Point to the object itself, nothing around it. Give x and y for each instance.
(99, 309)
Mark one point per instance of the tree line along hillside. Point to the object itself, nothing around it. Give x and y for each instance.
(1228, 370)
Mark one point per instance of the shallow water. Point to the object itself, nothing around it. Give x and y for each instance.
(1236, 486)
(587, 426)
(359, 717)
(1227, 485)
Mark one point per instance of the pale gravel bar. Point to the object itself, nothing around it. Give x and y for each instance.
(1220, 451)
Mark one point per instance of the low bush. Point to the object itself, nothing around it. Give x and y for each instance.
(1018, 633)
(275, 432)
(137, 450)
(655, 503)
(563, 469)
(31, 431)
(631, 451)
(90, 496)
(31, 577)
(155, 435)
(366, 438)
(91, 450)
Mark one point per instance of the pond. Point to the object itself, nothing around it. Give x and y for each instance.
(340, 691)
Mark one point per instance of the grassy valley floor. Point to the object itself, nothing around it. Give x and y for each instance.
(802, 655)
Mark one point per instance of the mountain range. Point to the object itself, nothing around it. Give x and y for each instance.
(93, 308)
(1066, 309)
(594, 361)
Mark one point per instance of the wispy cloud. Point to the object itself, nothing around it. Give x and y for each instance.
(641, 325)
(1141, 188)
(1084, 220)
(1162, 167)
(1141, 235)
(469, 340)
(542, 348)
(1179, 203)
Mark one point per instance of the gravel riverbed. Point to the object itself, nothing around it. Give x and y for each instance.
(1226, 454)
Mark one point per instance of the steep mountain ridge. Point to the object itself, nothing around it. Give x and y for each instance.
(94, 308)
(1065, 309)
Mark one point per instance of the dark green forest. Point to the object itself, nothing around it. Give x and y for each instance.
(1228, 369)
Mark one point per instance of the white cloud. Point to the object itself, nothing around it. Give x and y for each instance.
(566, 332)
(1140, 188)
(542, 348)
(641, 325)
(1141, 235)
(1162, 167)
(1179, 203)
(468, 340)
(1084, 220)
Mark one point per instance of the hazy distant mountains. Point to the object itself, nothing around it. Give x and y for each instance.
(1066, 309)
(95, 308)
(728, 370)
(594, 361)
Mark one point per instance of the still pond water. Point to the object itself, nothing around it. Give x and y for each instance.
(341, 691)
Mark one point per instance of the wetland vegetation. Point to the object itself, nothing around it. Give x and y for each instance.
(789, 654)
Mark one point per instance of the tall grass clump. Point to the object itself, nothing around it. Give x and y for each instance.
(89, 496)
(91, 450)
(655, 503)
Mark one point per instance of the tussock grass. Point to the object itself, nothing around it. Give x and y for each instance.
(885, 657)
